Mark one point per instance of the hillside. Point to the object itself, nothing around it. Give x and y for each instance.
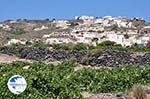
(82, 58)
(83, 29)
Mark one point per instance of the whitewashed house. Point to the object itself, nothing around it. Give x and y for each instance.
(13, 21)
(145, 40)
(5, 27)
(106, 23)
(140, 41)
(118, 38)
(58, 40)
(130, 25)
(16, 41)
(13, 41)
(85, 41)
(62, 23)
(127, 42)
(146, 27)
(108, 18)
(84, 37)
(46, 36)
(99, 21)
(84, 17)
(132, 32)
(41, 28)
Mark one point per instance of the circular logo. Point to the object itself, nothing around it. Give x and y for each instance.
(17, 84)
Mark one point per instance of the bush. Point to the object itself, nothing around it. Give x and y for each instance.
(107, 43)
(80, 47)
(40, 44)
(110, 45)
(76, 47)
(140, 49)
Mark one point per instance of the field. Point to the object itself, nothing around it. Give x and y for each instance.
(62, 81)
(76, 71)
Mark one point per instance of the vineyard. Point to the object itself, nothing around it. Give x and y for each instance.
(48, 81)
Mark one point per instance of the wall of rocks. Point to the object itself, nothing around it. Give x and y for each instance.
(102, 58)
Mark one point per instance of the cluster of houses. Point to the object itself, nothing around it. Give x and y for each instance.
(5, 27)
(22, 41)
(40, 28)
(91, 38)
(61, 24)
(93, 30)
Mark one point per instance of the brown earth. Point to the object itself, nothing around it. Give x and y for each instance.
(8, 59)
(98, 96)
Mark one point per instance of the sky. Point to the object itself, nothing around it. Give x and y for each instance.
(64, 9)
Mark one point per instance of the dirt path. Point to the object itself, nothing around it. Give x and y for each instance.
(8, 59)
(98, 96)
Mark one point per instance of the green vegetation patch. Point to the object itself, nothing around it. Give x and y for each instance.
(62, 82)
(18, 31)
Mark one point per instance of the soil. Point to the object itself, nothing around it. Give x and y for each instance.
(8, 58)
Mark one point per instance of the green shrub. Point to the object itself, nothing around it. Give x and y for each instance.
(107, 43)
(110, 45)
(140, 49)
(80, 47)
(40, 44)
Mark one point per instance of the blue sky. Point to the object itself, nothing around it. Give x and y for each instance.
(63, 9)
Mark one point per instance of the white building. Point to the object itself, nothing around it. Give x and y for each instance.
(108, 18)
(130, 25)
(62, 23)
(46, 36)
(84, 40)
(41, 28)
(99, 21)
(146, 27)
(15, 41)
(5, 27)
(132, 32)
(58, 40)
(118, 38)
(132, 40)
(84, 17)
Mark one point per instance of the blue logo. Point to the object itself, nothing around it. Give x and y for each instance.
(17, 84)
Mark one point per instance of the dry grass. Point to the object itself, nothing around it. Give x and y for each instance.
(9, 59)
(138, 92)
